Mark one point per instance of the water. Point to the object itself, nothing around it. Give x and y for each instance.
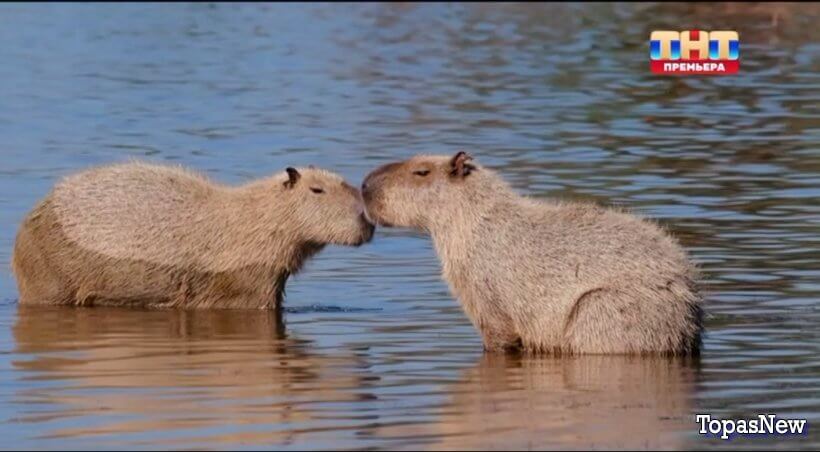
(373, 352)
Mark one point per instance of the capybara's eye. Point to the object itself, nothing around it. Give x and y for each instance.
(421, 172)
(316, 190)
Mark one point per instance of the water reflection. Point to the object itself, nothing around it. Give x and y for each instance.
(140, 373)
(517, 403)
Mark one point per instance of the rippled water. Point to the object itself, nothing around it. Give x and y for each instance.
(373, 352)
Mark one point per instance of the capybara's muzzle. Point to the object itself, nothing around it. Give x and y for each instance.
(371, 182)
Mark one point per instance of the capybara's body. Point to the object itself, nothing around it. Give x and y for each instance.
(545, 276)
(147, 235)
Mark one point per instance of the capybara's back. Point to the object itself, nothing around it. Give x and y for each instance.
(159, 236)
(102, 233)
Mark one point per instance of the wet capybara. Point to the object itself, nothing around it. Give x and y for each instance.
(147, 235)
(543, 276)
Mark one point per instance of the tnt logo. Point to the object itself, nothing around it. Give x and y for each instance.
(694, 52)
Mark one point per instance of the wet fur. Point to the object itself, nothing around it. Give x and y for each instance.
(156, 236)
(544, 276)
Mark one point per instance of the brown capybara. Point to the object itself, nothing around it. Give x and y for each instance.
(545, 277)
(146, 235)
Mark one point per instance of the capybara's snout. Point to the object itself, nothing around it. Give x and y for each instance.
(372, 182)
(367, 187)
(372, 192)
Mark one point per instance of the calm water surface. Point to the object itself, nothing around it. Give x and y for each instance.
(373, 352)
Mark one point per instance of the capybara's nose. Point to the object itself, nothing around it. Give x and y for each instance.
(374, 179)
(368, 180)
(367, 185)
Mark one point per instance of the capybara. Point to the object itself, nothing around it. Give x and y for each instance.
(147, 235)
(543, 276)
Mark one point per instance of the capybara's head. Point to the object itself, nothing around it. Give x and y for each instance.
(425, 189)
(323, 208)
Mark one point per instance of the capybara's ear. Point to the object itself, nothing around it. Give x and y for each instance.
(293, 177)
(459, 164)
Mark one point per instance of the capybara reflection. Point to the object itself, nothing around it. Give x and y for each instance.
(544, 276)
(207, 376)
(583, 402)
(148, 235)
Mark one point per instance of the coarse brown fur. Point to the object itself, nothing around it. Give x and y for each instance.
(548, 277)
(146, 235)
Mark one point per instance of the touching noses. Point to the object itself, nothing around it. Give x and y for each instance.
(367, 187)
(372, 179)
